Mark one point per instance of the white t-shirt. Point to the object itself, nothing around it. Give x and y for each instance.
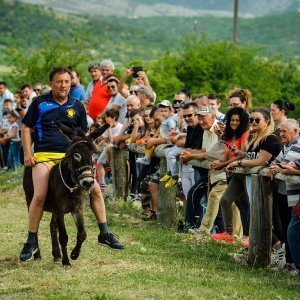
(114, 130)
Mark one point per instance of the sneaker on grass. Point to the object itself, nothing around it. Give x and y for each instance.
(279, 256)
(29, 252)
(110, 240)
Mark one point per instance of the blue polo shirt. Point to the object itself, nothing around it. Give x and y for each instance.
(42, 115)
(78, 92)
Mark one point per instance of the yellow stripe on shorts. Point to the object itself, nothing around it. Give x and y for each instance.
(52, 158)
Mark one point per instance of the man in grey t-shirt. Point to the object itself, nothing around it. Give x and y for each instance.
(117, 101)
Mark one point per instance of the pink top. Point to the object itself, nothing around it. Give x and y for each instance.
(236, 143)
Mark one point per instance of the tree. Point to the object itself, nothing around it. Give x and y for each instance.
(36, 66)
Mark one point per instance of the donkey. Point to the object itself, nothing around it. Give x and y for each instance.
(68, 181)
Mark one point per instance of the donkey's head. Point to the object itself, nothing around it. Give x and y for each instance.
(80, 153)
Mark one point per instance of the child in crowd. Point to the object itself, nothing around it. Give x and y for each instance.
(167, 129)
(108, 137)
(13, 136)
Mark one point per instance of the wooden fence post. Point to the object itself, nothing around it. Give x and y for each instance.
(167, 200)
(260, 232)
(119, 173)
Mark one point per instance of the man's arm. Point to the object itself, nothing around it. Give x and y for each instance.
(29, 160)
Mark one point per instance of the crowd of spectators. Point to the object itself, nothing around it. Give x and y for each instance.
(215, 201)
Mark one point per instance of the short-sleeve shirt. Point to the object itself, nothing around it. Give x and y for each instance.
(237, 143)
(114, 130)
(271, 144)
(42, 115)
(10, 131)
(118, 100)
(167, 125)
(194, 137)
(78, 92)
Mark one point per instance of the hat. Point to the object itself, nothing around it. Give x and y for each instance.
(184, 103)
(165, 103)
(145, 90)
(204, 111)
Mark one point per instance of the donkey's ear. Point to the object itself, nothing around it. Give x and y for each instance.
(67, 131)
(98, 132)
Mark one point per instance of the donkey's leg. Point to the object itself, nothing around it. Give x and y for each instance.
(81, 233)
(55, 245)
(63, 239)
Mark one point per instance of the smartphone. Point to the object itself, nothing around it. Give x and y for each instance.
(136, 70)
(280, 166)
(227, 145)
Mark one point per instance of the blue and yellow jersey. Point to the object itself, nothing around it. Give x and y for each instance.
(42, 115)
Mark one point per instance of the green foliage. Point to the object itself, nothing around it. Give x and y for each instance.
(205, 67)
(36, 66)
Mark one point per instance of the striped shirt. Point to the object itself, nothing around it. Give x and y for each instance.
(290, 152)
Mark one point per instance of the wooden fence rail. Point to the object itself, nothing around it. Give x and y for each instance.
(260, 231)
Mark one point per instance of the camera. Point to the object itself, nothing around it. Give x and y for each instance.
(136, 70)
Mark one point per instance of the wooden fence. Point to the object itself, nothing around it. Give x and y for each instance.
(260, 232)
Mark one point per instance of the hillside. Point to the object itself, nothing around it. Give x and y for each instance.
(151, 8)
(125, 39)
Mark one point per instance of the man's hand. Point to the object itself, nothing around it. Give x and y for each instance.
(185, 156)
(29, 160)
(149, 143)
(217, 165)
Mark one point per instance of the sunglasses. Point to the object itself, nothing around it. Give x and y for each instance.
(111, 87)
(37, 90)
(132, 92)
(256, 120)
(188, 116)
(176, 101)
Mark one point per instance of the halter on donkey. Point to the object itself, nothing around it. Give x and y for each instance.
(68, 181)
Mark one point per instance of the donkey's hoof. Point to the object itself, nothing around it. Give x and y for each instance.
(74, 255)
(66, 263)
(56, 259)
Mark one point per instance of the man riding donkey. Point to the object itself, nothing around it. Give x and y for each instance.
(49, 147)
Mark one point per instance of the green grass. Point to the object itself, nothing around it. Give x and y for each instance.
(156, 264)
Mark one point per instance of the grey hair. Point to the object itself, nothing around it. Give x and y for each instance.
(94, 66)
(45, 89)
(294, 124)
(107, 63)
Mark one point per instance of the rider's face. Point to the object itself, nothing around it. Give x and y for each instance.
(61, 85)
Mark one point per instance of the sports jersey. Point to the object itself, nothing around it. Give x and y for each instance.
(42, 115)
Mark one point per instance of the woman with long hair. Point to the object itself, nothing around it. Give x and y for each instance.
(263, 147)
(239, 97)
(235, 135)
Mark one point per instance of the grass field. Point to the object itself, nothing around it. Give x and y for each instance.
(156, 264)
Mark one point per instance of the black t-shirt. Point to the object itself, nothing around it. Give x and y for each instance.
(42, 115)
(271, 144)
(194, 137)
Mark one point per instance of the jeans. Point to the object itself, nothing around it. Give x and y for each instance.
(187, 177)
(193, 213)
(13, 159)
(294, 239)
(171, 157)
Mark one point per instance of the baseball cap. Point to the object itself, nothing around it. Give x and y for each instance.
(165, 103)
(204, 111)
(184, 103)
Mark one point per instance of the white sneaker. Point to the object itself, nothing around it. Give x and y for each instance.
(279, 256)
(194, 230)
